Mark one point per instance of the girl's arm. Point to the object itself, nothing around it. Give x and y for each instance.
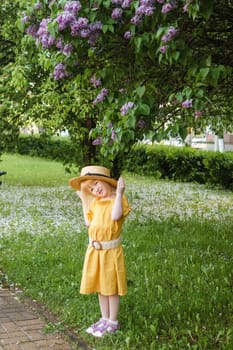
(117, 210)
(87, 222)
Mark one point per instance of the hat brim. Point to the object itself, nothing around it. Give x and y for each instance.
(76, 181)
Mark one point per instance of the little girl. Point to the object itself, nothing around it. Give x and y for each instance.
(104, 207)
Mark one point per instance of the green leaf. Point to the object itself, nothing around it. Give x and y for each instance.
(108, 28)
(140, 91)
(143, 109)
(204, 72)
(130, 123)
(138, 42)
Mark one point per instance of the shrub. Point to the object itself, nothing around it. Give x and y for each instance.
(182, 164)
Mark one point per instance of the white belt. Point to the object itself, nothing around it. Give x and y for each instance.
(105, 245)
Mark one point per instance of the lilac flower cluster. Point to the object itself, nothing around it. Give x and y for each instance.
(73, 6)
(169, 6)
(67, 19)
(67, 49)
(32, 30)
(97, 141)
(117, 13)
(163, 48)
(60, 72)
(38, 5)
(146, 7)
(43, 35)
(79, 26)
(136, 20)
(171, 33)
(187, 103)
(126, 107)
(101, 96)
(95, 82)
(128, 35)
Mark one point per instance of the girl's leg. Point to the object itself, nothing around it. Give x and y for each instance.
(104, 306)
(109, 306)
(114, 305)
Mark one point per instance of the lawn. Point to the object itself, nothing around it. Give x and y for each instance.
(178, 248)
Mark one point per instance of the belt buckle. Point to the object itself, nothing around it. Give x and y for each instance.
(97, 245)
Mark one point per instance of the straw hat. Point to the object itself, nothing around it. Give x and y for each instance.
(92, 172)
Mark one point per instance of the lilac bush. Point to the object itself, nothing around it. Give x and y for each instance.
(119, 46)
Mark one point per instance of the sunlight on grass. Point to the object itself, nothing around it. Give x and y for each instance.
(33, 171)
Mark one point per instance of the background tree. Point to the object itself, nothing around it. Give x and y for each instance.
(124, 70)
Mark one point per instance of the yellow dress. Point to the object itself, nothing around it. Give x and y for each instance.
(104, 270)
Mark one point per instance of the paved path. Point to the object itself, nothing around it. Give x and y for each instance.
(22, 328)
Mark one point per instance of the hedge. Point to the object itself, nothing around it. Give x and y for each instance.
(183, 164)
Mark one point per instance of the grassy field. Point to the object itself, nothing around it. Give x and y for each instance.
(178, 248)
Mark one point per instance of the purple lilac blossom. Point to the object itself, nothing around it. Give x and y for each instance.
(126, 107)
(95, 82)
(96, 26)
(171, 33)
(146, 8)
(95, 29)
(187, 103)
(160, 1)
(163, 48)
(59, 44)
(65, 19)
(101, 96)
(43, 27)
(38, 6)
(77, 25)
(73, 6)
(128, 35)
(26, 19)
(85, 33)
(47, 41)
(116, 13)
(32, 30)
(167, 8)
(67, 49)
(113, 135)
(126, 4)
(117, 2)
(60, 72)
(136, 20)
(97, 141)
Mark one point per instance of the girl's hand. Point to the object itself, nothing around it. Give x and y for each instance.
(120, 186)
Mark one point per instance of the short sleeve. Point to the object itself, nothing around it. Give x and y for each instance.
(125, 205)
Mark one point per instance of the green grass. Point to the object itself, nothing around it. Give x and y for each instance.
(29, 171)
(180, 267)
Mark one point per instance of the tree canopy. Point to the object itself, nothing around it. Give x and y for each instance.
(115, 71)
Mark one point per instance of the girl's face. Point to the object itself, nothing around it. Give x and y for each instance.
(99, 188)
